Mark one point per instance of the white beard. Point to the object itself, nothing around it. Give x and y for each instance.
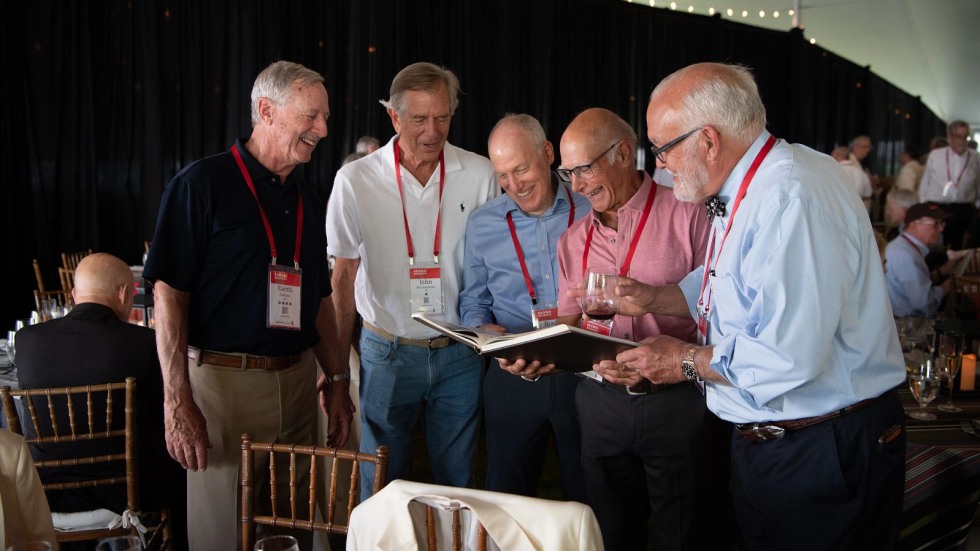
(691, 178)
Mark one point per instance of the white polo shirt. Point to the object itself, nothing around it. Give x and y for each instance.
(364, 220)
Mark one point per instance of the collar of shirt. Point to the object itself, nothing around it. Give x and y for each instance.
(923, 249)
(259, 173)
(729, 189)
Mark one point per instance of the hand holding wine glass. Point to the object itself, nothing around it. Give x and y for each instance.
(924, 383)
(599, 300)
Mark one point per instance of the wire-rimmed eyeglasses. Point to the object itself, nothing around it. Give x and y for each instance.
(584, 172)
(658, 152)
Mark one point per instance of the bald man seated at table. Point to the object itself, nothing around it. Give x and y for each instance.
(95, 344)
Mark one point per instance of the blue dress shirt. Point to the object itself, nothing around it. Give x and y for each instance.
(494, 290)
(800, 319)
(910, 286)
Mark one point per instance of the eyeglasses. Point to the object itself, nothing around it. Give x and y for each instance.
(658, 152)
(929, 222)
(584, 172)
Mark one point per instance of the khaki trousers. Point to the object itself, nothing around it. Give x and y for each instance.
(274, 406)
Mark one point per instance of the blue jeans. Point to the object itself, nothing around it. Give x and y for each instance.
(396, 381)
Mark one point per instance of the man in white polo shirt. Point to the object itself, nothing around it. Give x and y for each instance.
(395, 224)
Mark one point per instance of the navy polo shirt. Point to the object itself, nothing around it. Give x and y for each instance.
(210, 241)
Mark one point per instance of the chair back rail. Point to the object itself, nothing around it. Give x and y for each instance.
(47, 408)
(334, 521)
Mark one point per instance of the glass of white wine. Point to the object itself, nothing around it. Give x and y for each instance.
(950, 355)
(924, 381)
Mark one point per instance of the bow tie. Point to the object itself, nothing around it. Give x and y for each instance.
(716, 207)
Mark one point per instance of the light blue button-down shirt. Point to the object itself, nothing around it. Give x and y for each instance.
(799, 316)
(910, 286)
(494, 290)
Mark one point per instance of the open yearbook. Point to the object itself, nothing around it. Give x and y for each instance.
(569, 348)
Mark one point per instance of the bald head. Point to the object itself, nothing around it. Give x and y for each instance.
(598, 151)
(105, 279)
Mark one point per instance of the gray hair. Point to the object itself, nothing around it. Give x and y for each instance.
(953, 125)
(274, 81)
(527, 124)
(366, 141)
(904, 198)
(727, 99)
(421, 77)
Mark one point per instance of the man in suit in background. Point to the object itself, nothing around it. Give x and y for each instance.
(95, 344)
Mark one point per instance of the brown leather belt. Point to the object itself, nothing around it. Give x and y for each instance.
(242, 361)
(438, 342)
(643, 387)
(762, 432)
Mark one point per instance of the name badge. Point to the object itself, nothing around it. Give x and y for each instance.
(285, 290)
(425, 289)
(602, 327)
(948, 186)
(544, 315)
(702, 329)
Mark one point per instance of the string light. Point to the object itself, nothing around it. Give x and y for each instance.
(673, 5)
(711, 11)
(690, 9)
(745, 13)
(775, 14)
(762, 14)
(730, 11)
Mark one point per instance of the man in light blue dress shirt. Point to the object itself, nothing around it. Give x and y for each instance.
(798, 345)
(910, 285)
(508, 238)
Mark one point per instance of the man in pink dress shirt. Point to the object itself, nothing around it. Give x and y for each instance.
(646, 450)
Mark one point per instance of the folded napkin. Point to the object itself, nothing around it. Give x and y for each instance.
(83, 520)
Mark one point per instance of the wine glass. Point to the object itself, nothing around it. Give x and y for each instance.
(950, 358)
(277, 543)
(924, 383)
(34, 545)
(11, 348)
(599, 300)
(120, 543)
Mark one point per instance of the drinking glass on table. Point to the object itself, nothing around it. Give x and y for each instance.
(277, 543)
(950, 354)
(924, 381)
(599, 300)
(36, 545)
(120, 543)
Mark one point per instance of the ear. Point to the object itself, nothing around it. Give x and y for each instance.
(625, 148)
(549, 152)
(265, 110)
(395, 120)
(711, 142)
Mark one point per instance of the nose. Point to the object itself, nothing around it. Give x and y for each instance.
(321, 127)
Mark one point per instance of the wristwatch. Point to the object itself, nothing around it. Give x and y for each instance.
(687, 365)
(343, 375)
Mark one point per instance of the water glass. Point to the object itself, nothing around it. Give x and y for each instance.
(32, 546)
(924, 383)
(277, 543)
(120, 543)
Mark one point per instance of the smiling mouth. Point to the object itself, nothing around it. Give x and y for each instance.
(309, 141)
(594, 193)
(525, 193)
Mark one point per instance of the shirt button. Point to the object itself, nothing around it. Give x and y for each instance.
(613, 240)
(547, 276)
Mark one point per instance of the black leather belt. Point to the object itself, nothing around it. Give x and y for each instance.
(438, 342)
(762, 432)
(242, 361)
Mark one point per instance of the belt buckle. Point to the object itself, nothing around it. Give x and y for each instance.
(761, 433)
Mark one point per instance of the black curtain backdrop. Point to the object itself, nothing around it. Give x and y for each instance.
(107, 100)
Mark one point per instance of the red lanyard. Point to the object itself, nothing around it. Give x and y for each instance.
(950, 176)
(744, 187)
(636, 236)
(408, 232)
(520, 253)
(265, 219)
